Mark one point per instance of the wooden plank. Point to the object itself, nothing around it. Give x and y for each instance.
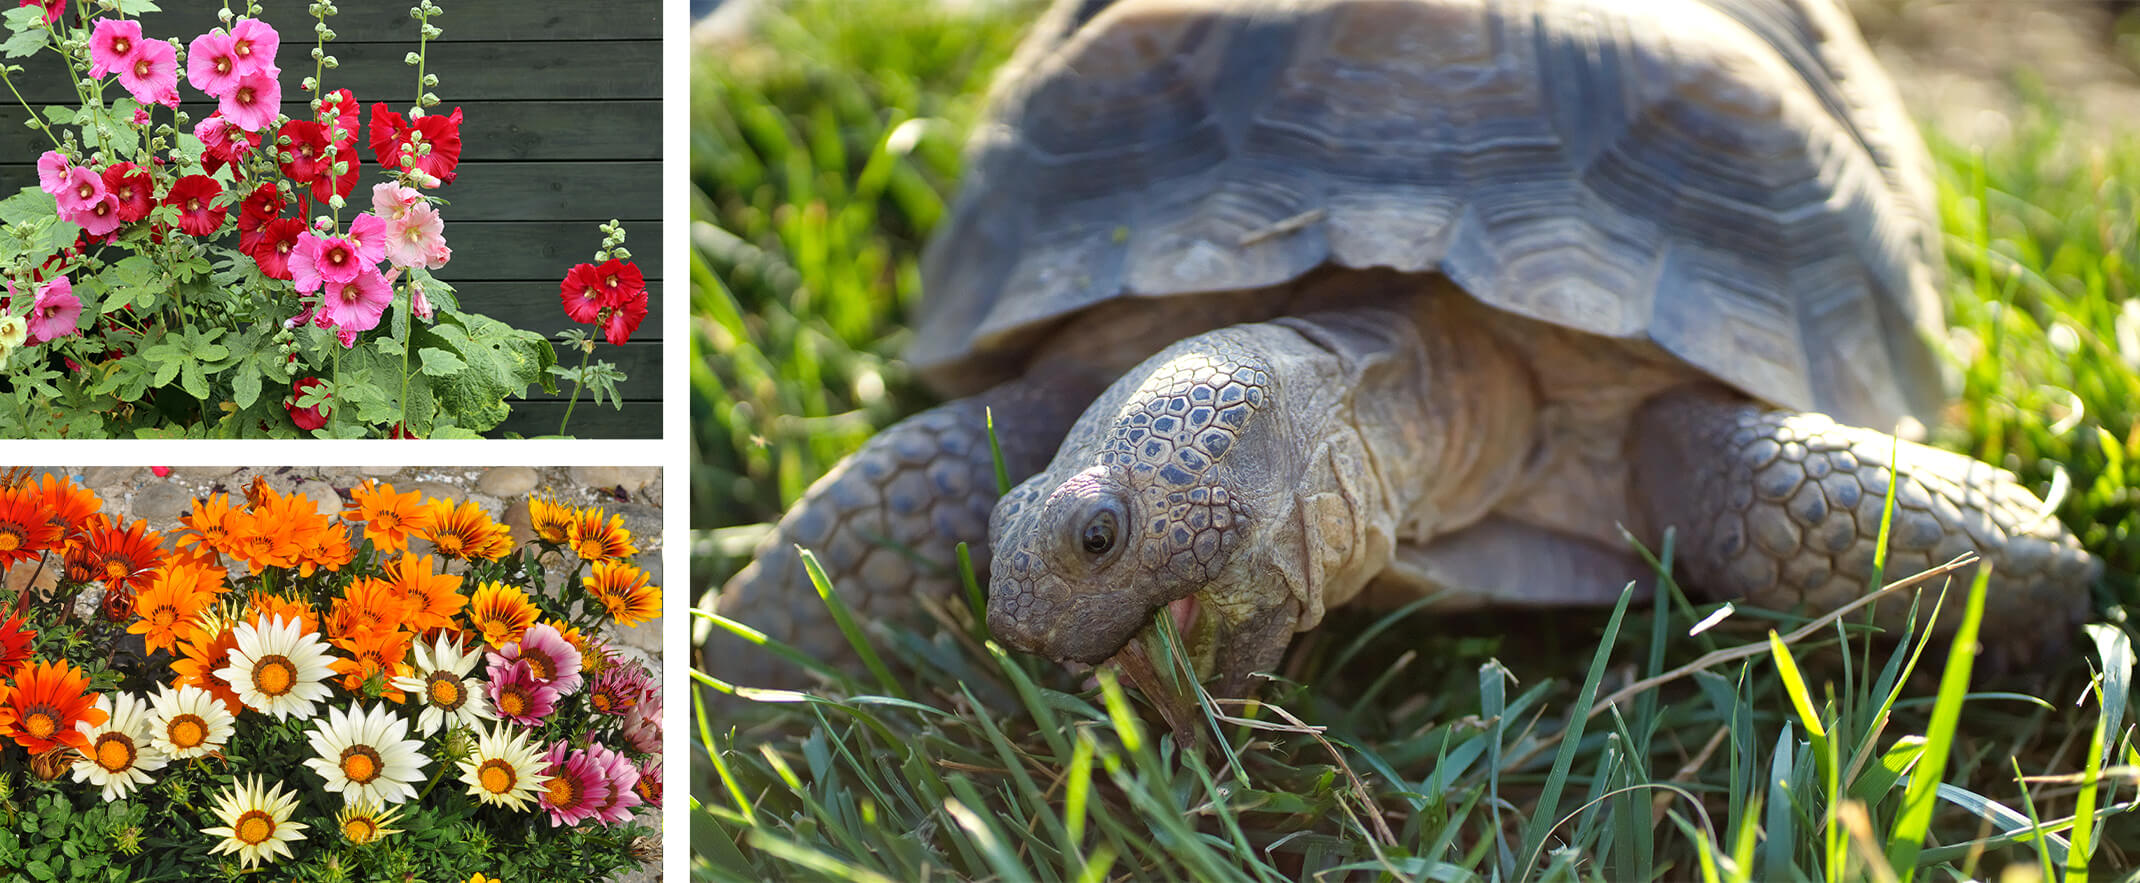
(537, 251)
(490, 130)
(535, 306)
(564, 191)
(637, 420)
(388, 20)
(639, 360)
(491, 71)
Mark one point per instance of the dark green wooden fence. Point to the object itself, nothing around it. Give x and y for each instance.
(562, 130)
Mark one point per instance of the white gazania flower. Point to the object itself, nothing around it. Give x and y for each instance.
(362, 821)
(504, 770)
(188, 722)
(256, 822)
(450, 697)
(120, 754)
(278, 668)
(367, 755)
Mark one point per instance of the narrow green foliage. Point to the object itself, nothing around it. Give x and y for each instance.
(1908, 836)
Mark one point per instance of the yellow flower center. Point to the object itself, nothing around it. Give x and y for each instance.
(273, 676)
(115, 569)
(497, 776)
(9, 539)
(563, 792)
(449, 544)
(41, 724)
(162, 618)
(601, 701)
(254, 827)
(360, 829)
(121, 46)
(186, 731)
(386, 521)
(588, 548)
(444, 691)
(360, 764)
(513, 702)
(115, 752)
(222, 64)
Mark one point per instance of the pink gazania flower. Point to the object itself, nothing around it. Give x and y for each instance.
(78, 190)
(253, 43)
(130, 185)
(273, 245)
(55, 312)
(617, 689)
(52, 169)
(577, 788)
(253, 101)
(152, 75)
(355, 305)
(112, 45)
(212, 64)
(549, 658)
(620, 774)
(417, 238)
(641, 728)
(624, 319)
(309, 418)
(195, 197)
(649, 786)
(517, 696)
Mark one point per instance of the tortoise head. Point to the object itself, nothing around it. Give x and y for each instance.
(1165, 495)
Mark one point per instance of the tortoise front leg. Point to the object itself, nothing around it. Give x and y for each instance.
(1783, 508)
(885, 522)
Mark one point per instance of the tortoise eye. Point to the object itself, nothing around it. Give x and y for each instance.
(1098, 535)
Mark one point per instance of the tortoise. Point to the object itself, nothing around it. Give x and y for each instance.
(1289, 304)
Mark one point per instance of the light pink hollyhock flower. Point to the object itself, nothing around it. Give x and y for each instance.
(253, 42)
(368, 233)
(52, 170)
(417, 239)
(112, 45)
(549, 657)
(577, 789)
(212, 64)
(78, 190)
(391, 201)
(355, 305)
(621, 775)
(419, 304)
(55, 311)
(152, 76)
(252, 102)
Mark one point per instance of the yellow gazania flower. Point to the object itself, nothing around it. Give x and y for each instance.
(551, 520)
(256, 822)
(362, 821)
(479, 878)
(466, 532)
(624, 592)
(594, 539)
(501, 613)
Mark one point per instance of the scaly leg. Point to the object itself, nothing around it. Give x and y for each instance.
(916, 490)
(1783, 508)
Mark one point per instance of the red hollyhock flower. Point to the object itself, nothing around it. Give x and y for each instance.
(624, 319)
(262, 205)
(130, 183)
(582, 294)
(195, 195)
(53, 8)
(434, 140)
(271, 246)
(310, 159)
(307, 419)
(223, 143)
(347, 117)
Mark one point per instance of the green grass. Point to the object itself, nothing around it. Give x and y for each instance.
(1401, 744)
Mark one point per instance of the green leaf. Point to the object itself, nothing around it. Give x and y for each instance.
(28, 25)
(440, 363)
(500, 361)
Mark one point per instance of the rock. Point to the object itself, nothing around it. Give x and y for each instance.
(379, 471)
(508, 481)
(522, 523)
(630, 478)
(161, 503)
(323, 496)
(436, 490)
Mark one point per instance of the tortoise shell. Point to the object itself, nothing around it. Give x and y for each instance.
(1733, 180)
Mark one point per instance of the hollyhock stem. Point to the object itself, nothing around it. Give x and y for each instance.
(331, 412)
(35, 119)
(408, 334)
(586, 353)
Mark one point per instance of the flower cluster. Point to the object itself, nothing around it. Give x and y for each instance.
(611, 294)
(383, 646)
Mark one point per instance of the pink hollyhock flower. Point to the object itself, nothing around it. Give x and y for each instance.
(355, 305)
(52, 170)
(99, 218)
(578, 786)
(325, 260)
(310, 418)
(620, 774)
(55, 312)
(212, 64)
(368, 233)
(391, 200)
(431, 144)
(225, 143)
(419, 304)
(641, 728)
(273, 246)
(617, 327)
(195, 196)
(253, 43)
(53, 8)
(80, 189)
(549, 657)
(152, 76)
(518, 697)
(130, 185)
(112, 44)
(417, 239)
(252, 102)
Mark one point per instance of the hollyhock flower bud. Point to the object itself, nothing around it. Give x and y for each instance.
(419, 304)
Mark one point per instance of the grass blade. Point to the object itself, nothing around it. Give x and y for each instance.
(1907, 837)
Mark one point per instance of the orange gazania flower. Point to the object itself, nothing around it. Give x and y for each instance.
(500, 613)
(368, 605)
(466, 532)
(14, 646)
(264, 607)
(593, 539)
(200, 653)
(214, 576)
(434, 598)
(70, 505)
(125, 560)
(263, 537)
(174, 598)
(388, 517)
(550, 520)
(624, 592)
(26, 528)
(41, 706)
(384, 653)
(208, 524)
(325, 547)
